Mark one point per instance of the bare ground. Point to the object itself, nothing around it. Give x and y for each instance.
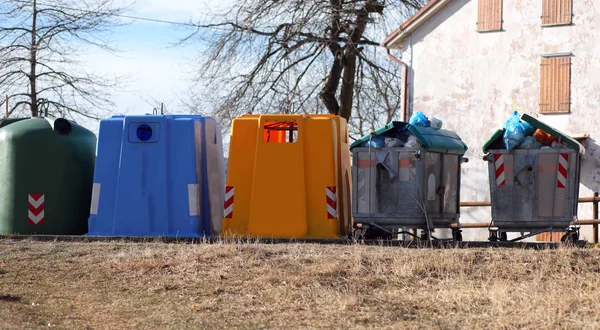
(227, 285)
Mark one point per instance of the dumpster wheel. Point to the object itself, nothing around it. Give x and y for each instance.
(457, 235)
(570, 237)
(493, 236)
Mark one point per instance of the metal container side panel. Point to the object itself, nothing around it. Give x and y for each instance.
(215, 169)
(388, 183)
(364, 197)
(278, 198)
(433, 174)
(321, 170)
(64, 207)
(451, 184)
(524, 188)
(394, 188)
(240, 170)
(411, 192)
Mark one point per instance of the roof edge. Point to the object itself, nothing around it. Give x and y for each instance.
(416, 20)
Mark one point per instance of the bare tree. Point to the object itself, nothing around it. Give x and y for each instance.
(298, 56)
(378, 95)
(40, 43)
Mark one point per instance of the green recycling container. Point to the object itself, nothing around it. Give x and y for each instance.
(46, 176)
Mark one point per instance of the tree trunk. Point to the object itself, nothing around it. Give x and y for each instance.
(33, 62)
(333, 80)
(347, 92)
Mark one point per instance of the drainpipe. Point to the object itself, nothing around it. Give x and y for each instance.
(404, 83)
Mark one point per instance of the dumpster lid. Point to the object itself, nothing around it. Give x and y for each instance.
(492, 142)
(432, 139)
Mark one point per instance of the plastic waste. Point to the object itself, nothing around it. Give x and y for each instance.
(419, 119)
(377, 141)
(436, 123)
(413, 142)
(528, 128)
(393, 142)
(529, 143)
(543, 138)
(514, 132)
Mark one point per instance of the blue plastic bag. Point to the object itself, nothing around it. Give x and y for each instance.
(419, 119)
(515, 132)
(528, 128)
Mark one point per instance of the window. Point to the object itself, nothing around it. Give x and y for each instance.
(489, 15)
(557, 12)
(555, 84)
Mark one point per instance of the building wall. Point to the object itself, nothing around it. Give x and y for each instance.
(472, 81)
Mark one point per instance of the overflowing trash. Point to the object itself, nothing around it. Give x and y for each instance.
(519, 134)
(401, 136)
(532, 190)
(412, 182)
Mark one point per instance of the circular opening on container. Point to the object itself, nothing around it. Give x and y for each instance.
(62, 126)
(144, 132)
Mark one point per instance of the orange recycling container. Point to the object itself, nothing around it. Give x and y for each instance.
(288, 177)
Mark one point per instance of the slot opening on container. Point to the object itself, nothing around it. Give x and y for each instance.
(280, 132)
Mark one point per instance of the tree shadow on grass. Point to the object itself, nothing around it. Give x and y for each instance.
(9, 298)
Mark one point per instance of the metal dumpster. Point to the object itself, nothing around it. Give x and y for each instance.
(534, 190)
(397, 188)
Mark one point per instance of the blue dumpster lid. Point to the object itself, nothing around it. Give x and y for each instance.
(495, 140)
(432, 139)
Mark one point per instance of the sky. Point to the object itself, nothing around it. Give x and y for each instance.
(152, 67)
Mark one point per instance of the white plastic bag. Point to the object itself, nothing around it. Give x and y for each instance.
(529, 143)
(393, 142)
(435, 123)
(413, 142)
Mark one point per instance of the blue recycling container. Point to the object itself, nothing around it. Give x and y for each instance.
(158, 176)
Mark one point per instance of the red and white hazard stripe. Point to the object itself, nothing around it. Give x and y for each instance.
(561, 177)
(36, 209)
(500, 177)
(228, 207)
(331, 195)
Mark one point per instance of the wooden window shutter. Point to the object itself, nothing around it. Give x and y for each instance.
(489, 15)
(557, 12)
(555, 85)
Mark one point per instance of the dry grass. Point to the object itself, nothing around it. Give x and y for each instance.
(157, 285)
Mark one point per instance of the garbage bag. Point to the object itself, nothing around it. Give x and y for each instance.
(419, 119)
(514, 132)
(528, 128)
(377, 142)
(529, 143)
(413, 142)
(436, 123)
(393, 142)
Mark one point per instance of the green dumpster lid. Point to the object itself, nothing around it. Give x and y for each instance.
(491, 142)
(432, 139)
